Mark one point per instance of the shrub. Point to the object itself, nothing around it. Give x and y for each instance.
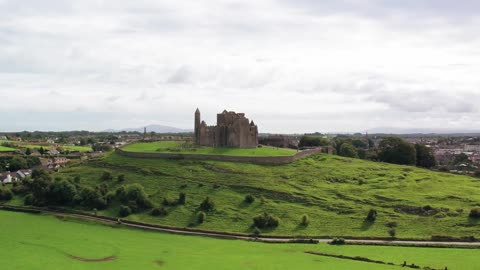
(6, 194)
(106, 176)
(201, 216)
(169, 202)
(392, 233)
(392, 224)
(207, 204)
(136, 193)
(124, 211)
(372, 215)
(28, 200)
(305, 220)
(474, 213)
(256, 231)
(182, 197)
(266, 221)
(77, 179)
(249, 198)
(337, 241)
(159, 212)
(121, 178)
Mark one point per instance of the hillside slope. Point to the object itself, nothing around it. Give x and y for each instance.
(336, 193)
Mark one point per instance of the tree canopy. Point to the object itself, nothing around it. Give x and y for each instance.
(397, 151)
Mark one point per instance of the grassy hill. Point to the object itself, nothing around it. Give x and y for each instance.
(336, 193)
(181, 147)
(63, 243)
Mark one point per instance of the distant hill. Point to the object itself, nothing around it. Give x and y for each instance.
(155, 128)
(389, 130)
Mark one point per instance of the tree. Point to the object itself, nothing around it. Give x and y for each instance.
(18, 163)
(372, 215)
(460, 159)
(347, 150)
(106, 176)
(201, 216)
(207, 204)
(62, 192)
(124, 211)
(41, 150)
(305, 220)
(397, 151)
(159, 212)
(28, 152)
(425, 156)
(266, 221)
(182, 198)
(249, 198)
(359, 143)
(5, 194)
(134, 193)
(310, 141)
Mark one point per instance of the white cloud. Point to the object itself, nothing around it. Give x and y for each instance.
(292, 66)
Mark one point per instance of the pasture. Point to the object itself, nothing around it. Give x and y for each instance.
(7, 149)
(58, 242)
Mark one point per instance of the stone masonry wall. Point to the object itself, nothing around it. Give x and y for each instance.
(261, 160)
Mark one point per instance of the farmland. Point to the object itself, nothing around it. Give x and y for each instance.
(66, 243)
(6, 149)
(186, 148)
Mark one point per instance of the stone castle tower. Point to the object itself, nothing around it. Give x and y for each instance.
(232, 130)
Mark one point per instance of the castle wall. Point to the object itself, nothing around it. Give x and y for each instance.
(259, 160)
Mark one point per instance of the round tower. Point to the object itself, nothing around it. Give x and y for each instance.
(197, 126)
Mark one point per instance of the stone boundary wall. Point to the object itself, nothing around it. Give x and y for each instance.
(251, 159)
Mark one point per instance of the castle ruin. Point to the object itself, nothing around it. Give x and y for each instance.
(232, 130)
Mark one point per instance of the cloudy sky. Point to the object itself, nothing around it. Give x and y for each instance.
(290, 65)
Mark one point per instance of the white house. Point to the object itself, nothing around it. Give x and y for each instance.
(8, 179)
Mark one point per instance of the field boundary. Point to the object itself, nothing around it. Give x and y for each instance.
(238, 236)
(250, 159)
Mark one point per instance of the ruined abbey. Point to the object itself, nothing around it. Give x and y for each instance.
(232, 130)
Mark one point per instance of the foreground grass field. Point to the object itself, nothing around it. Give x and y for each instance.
(336, 193)
(183, 148)
(63, 243)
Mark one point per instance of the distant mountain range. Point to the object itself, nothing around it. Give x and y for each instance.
(422, 131)
(155, 128)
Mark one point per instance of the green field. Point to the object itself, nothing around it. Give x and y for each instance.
(65, 243)
(185, 148)
(7, 149)
(46, 147)
(335, 192)
(77, 148)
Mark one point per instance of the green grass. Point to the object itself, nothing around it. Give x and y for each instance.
(327, 188)
(77, 148)
(33, 146)
(54, 240)
(185, 148)
(6, 149)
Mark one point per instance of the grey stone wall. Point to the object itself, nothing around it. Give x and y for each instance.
(260, 160)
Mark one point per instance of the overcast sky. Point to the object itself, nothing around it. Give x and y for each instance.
(290, 65)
